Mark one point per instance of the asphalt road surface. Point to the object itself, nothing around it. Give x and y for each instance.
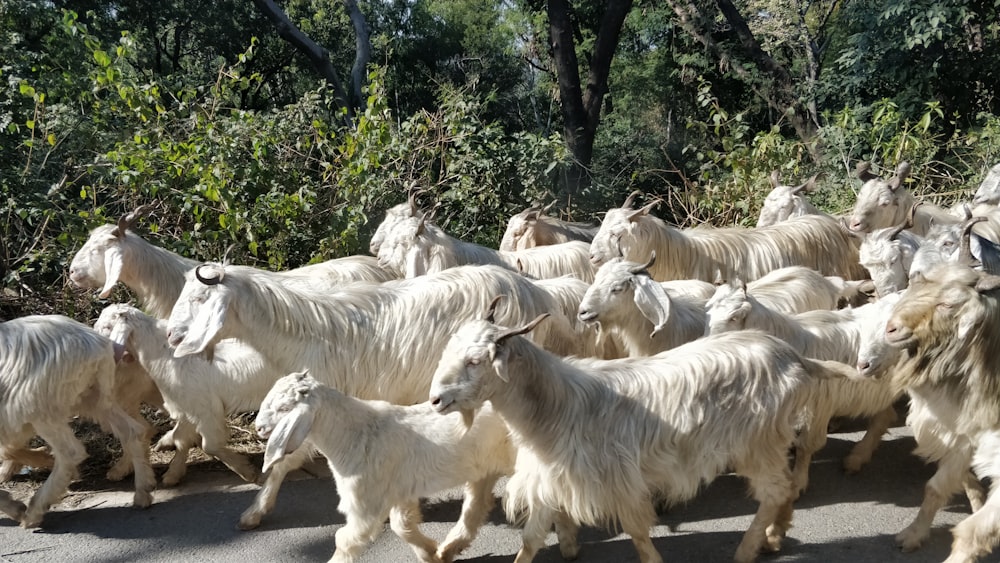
(841, 518)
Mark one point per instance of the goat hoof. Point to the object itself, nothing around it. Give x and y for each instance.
(249, 522)
(142, 499)
(908, 540)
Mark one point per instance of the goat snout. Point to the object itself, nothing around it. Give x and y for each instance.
(587, 315)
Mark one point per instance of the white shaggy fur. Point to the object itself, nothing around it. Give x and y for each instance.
(385, 457)
(54, 368)
(948, 327)
(885, 203)
(196, 390)
(645, 317)
(814, 241)
(599, 438)
(368, 341)
(888, 254)
(988, 192)
(415, 247)
(827, 335)
(569, 291)
(531, 228)
(784, 202)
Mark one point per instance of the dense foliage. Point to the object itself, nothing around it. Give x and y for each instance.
(205, 112)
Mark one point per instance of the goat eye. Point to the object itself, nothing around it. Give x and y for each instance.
(472, 362)
(618, 288)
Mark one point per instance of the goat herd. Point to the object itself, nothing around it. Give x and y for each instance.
(603, 369)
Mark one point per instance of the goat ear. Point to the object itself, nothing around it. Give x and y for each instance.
(634, 216)
(966, 323)
(652, 301)
(113, 264)
(775, 178)
(288, 435)
(987, 282)
(498, 357)
(203, 329)
(416, 264)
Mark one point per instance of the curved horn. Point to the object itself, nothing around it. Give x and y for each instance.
(644, 210)
(127, 221)
(411, 198)
(863, 170)
(428, 216)
(492, 309)
(548, 207)
(775, 178)
(208, 281)
(526, 328)
(898, 229)
(965, 251)
(636, 269)
(630, 199)
(808, 185)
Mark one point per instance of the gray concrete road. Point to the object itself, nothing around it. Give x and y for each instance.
(840, 519)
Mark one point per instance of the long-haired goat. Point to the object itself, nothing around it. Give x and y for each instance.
(53, 368)
(116, 253)
(949, 327)
(415, 248)
(632, 308)
(385, 457)
(531, 228)
(598, 438)
(368, 341)
(784, 202)
(885, 203)
(814, 241)
(955, 243)
(888, 255)
(826, 335)
(202, 392)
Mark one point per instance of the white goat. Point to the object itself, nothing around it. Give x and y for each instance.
(393, 216)
(368, 341)
(194, 389)
(784, 202)
(827, 335)
(886, 203)
(415, 248)
(814, 241)
(53, 368)
(888, 255)
(598, 438)
(385, 457)
(155, 275)
(949, 325)
(988, 192)
(531, 228)
(115, 253)
(646, 318)
(955, 243)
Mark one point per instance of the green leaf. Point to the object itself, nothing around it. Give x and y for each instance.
(102, 58)
(30, 124)
(26, 89)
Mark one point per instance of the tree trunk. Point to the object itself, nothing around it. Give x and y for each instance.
(781, 95)
(581, 106)
(362, 52)
(317, 55)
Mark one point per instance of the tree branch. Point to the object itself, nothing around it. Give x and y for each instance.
(317, 55)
